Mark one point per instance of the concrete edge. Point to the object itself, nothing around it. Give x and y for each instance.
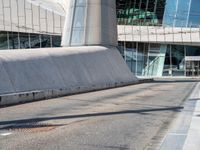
(158, 140)
(33, 96)
(170, 130)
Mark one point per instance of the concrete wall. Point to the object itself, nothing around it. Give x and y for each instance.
(28, 75)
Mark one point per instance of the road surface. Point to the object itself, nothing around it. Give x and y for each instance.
(131, 117)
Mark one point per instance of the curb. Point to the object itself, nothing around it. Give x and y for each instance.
(32, 96)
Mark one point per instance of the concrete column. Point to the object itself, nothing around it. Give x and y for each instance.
(90, 22)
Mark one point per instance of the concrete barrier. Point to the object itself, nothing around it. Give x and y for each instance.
(30, 75)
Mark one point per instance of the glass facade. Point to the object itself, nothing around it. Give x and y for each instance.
(194, 16)
(142, 58)
(4, 40)
(16, 40)
(140, 12)
(79, 23)
(179, 13)
(174, 64)
(193, 68)
(148, 59)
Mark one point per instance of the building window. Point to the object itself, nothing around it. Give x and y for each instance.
(45, 41)
(56, 41)
(15, 40)
(3, 40)
(24, 40)
(140, 12)
(35, 41)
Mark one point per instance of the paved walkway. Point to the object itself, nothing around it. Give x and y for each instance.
(126, 118)
(193, 139)
(185, 131)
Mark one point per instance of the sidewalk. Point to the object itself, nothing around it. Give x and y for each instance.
(185, 131)
(193, 138)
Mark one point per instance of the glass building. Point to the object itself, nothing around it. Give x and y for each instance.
(172, 31)
(156, 37)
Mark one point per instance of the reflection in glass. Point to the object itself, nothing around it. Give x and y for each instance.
(24, 40)
(194, 18)
(45, 41)
(13, 40)
(178, 62)
(77, 36)
(56, 41)
(140, 12)
(3, 40)
(78, 24)
(34, 41)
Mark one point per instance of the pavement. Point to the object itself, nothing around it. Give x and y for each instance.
(134, 117)
(184, 132)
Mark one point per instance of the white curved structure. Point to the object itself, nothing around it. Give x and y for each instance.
(32, 16)
(28, 75)
(40, 74)
(90, 22)
(61, 68)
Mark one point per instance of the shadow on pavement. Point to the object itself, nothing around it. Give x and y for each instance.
(29, 122)
(176, 81)
(194, 99)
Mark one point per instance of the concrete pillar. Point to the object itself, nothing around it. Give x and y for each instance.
(90, 22)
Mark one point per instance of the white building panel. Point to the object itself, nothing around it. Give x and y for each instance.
(21, 8)
(14, 12)
(154, 34)
(50, 22)
(6, 3)
(186, 35)
(160, 31)
(29, 23)
(43, 22)
(8, 25)
(1, 16)
(38, 16)
(195, 35)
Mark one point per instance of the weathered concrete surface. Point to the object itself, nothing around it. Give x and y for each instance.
(40, 74)
(133, 117)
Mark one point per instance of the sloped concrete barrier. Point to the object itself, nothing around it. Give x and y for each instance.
(29, 75)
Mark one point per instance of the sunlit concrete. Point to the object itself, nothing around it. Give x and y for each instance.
(60, 71)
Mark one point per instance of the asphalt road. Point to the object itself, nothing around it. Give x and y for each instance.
(132, 117)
